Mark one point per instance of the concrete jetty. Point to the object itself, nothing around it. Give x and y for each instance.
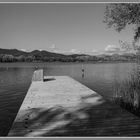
(61, 106)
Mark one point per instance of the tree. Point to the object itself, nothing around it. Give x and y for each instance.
(20, 58)
(29, 58)
(119, 15)
(7, 58)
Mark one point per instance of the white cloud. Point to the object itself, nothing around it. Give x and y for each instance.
(68, 52)
(94, 51)
(59, 51)
(53, 46)
(24, 50)
(75, 51)
(112, 48)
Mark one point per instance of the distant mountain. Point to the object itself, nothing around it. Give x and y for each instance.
(36, 55)
(128, 54)
(16, 52)
(45, 53)
(76, 55)
(13, 52)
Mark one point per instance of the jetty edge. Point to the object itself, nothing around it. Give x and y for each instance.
(61, 106)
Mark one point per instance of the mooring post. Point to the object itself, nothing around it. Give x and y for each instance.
(38, 75)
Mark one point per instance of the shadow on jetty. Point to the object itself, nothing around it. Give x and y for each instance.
(48, 79)
(98, 118)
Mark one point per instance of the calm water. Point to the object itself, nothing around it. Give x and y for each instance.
(15, 80)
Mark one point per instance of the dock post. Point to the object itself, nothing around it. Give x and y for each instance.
(38, 75)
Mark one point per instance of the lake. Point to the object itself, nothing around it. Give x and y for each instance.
(15, 79)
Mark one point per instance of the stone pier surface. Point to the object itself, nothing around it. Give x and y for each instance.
(61, 106)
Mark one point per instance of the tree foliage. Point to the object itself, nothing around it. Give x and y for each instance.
(119, 15)
(82, 58)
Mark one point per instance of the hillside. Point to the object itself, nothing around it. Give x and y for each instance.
(16, 52)
(14, 55)
(13, 52)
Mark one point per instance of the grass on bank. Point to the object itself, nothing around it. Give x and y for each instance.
(127, 93)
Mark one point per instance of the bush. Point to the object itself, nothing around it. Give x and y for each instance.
(127, 93)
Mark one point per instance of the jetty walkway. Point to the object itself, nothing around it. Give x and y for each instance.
(61, 106)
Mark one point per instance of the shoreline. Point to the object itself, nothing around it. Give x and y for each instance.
(44, 64)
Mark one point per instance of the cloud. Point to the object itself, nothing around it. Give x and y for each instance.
(75, 51)
(24, 50)
(95, 52)
(58, 51)
(112, 48)
(68, 52)
(53, 46)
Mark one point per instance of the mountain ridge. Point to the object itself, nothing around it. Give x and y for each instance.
(14, 55)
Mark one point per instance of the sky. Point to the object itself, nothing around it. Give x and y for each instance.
(59, 27)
